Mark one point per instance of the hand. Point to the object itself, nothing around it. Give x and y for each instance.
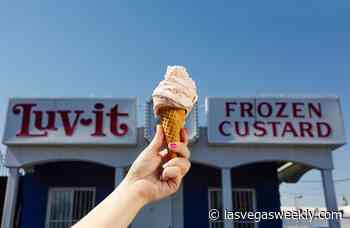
(151, 176)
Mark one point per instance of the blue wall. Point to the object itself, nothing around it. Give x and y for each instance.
(195, 188)
(3, 182)
(33, 200)
(34, 187)
(262, 177)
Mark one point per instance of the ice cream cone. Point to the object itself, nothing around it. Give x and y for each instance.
(172, 120)
(173, 99)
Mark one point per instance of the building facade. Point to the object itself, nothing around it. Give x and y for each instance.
(66, 155)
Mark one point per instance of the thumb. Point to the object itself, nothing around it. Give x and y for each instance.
(157, 141)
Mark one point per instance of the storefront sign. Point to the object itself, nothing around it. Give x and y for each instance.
(275, 120)
(71, 121)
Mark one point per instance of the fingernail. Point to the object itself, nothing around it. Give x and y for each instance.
(165, 165)
(173, 145)
(163, 153)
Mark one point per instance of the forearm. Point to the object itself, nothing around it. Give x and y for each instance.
(116, 211)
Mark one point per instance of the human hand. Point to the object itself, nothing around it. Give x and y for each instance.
(151, 176)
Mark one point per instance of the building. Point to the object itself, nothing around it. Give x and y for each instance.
(75, 151)
(3, 180)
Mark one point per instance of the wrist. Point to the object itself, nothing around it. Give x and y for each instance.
(130, 193)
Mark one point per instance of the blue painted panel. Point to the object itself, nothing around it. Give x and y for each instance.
(33, 198)
(262, 177)
(102, 191)
(196, 195)
(33, 191)
(196, 208)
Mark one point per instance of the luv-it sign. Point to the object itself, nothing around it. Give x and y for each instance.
(71, 121)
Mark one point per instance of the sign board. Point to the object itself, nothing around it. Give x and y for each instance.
(71, 121)
(275, 120)
(151, 122)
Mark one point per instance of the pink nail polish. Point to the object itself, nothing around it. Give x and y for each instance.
(173, 145)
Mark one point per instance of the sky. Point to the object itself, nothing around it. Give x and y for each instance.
(231, 48)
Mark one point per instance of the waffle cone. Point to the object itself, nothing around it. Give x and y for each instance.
(172, 120)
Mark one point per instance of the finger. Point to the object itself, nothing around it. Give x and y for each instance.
(172, 172)
(180, 148)
(163, 153)
(157, 141)
(183, 163)
(184, 135)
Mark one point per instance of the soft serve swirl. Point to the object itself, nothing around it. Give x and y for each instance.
(177, 90)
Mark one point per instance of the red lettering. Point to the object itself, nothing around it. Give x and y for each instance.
(315, 110)
(245, 128)
(274, 127)
(221, 128)
(297, 110)
(42, 122)
(229, 108)
(51, 120)
(324, 130)
(306, 128)
(69, 127)
(260, 127)
(288, 128)
(261, 107)
(25, 125)
(98, 120)
(281, 107)
(114, 114)
(246, 107)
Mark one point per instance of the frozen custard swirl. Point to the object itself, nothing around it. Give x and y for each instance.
(176, 90)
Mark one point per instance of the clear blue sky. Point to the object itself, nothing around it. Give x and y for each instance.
(231, 48)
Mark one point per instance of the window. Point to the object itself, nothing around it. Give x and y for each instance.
(67, 205)
(243, 200)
